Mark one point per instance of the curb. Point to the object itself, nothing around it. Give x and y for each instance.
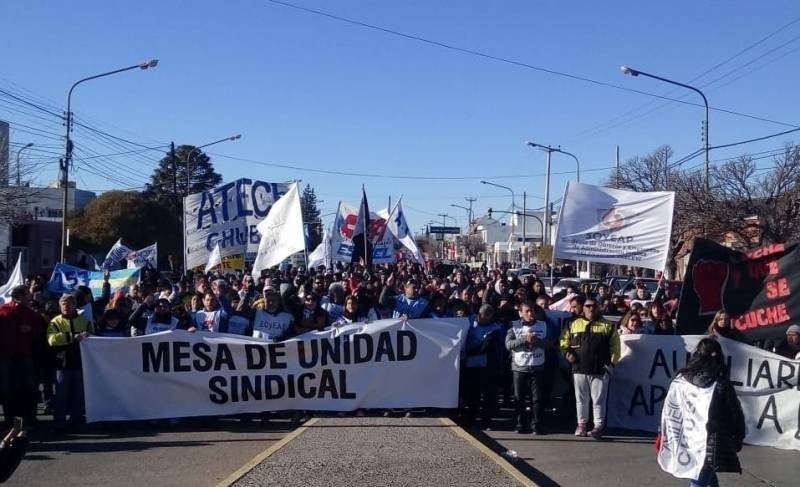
(247, 467)
(488, 453)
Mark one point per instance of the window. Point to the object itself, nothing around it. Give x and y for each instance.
(54, 213)
(48, 254)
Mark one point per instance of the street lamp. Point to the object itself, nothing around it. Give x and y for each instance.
(635, 72)
(469, 214)
(513, 200)
(29, 144)
(191, 152)
(67, 160)
(558, 149)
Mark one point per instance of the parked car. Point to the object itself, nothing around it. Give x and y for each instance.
(576, 282)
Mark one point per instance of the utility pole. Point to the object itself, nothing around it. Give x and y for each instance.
(174, 161)
(546, 236)
(470, 200)
(617, 183)
(524, 225)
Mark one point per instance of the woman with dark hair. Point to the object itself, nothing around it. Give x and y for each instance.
(661, 323)
(352, 312)
(705, 374)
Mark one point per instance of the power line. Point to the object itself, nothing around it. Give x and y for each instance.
(393, 176)
(480, 54)
(601, 127)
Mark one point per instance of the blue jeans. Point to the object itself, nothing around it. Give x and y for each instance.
(707, 478)
(69, 397)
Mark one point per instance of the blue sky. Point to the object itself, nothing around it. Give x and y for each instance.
(312, 92)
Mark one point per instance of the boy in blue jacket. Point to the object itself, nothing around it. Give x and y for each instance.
(481, 361)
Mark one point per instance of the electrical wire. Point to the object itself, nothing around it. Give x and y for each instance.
(491, 57)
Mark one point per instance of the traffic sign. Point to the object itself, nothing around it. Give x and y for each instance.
(445, 230)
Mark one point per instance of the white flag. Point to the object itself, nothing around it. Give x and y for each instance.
(116, 254)
(398, 225)
(214, 258)
(15, 280)
(614, 226)
(322, 254)
(683, 428)
(281, 232)
(142, 257)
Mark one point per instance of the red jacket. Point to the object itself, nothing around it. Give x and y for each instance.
(22, 332)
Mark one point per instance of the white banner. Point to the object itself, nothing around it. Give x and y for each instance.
(140, 258)
(768, 386)
(383, 364)
(229, 215)
(342, 235)
(684, 436)
(614, 226)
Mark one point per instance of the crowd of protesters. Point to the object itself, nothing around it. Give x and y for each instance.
(516, 351)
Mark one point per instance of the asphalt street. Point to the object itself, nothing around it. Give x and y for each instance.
(190, 453)
(623, 458)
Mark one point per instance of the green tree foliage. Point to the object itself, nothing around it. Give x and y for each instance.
(129, 215)
(168, 182)
(308, 203)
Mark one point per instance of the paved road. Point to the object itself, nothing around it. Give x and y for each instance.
(186, 454)
(378, 451)
(624, 458)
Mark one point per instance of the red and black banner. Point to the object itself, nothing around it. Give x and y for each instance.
(758, 289)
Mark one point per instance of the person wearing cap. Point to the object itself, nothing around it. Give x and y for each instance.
(161, 319)
(270, 321)
(64, 334)
(791, 347)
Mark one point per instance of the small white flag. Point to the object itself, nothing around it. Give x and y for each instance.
(322, 254)
(15, 280)
(214, 258)
(398, 225)
(281, 232)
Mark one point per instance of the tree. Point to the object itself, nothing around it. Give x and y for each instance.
(136, 219)
(744, 201)
(168, 181)
(472, 245)
(15, 201)
(308, 203)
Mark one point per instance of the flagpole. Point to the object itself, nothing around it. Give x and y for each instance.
(367, 258)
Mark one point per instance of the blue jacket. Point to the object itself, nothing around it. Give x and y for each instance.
(483, 345)
(413, 308)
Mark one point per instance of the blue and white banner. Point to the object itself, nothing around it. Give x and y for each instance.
(115, 255)
(344, 228)
(146, 256)
(398, 226)
(229, 215)
(67, 278)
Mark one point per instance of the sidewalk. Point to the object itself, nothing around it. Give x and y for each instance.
(335, 452)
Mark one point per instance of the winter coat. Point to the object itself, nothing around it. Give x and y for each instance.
(725, 427)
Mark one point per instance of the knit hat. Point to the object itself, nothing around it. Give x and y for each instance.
(793, 329)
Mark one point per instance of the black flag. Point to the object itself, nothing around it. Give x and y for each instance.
(362, 245)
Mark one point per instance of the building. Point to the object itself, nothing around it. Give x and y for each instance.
(36, 231)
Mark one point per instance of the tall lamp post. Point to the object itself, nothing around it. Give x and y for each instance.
(635, 72)
(513, 200)
(29, 144)
(469, 214)
(67, 160)
(191, 153)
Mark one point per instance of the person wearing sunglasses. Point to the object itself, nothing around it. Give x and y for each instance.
(591, 344)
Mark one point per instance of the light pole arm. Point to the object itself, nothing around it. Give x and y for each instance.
(577, 162)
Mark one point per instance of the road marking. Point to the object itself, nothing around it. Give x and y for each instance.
(247, 467)
(491, 455)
